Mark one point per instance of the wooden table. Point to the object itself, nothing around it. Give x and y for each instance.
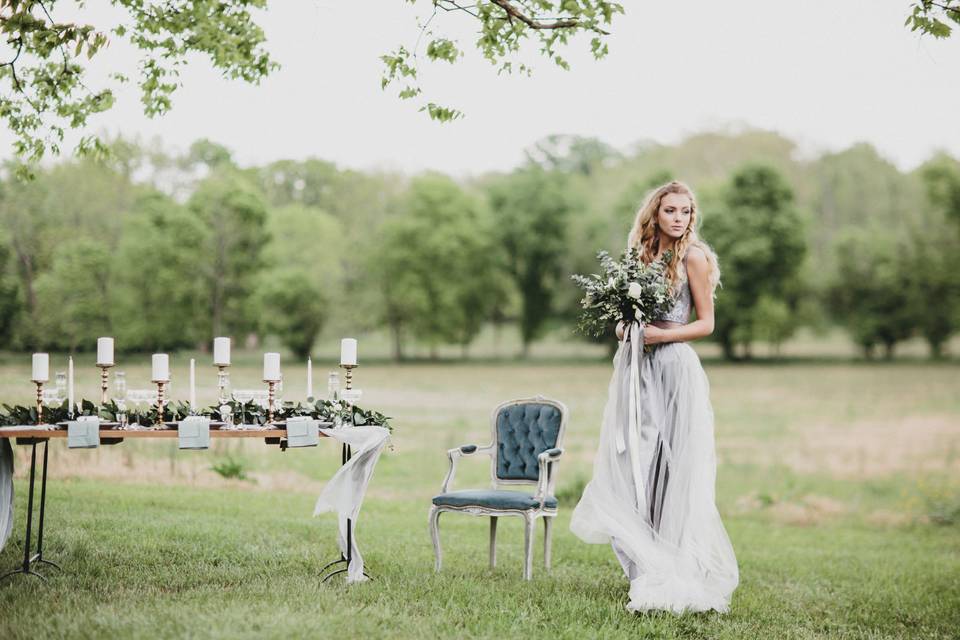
(110, 436)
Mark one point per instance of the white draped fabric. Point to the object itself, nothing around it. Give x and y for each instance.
(652, 495)
(343, 494)
(6, 491)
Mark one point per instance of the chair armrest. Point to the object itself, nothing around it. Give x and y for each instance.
(547, 480)
(463, 451)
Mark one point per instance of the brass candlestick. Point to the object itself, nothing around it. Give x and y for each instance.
(223, 382)
(39, 384)
(271, 397)
(160, 400)
(348, 377)
(347, 394)
(104, 381)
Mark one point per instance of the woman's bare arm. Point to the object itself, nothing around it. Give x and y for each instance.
(698, 270)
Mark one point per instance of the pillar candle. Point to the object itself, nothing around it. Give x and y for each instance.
(161, 368)
(348, 351)
(271, 367)
(105, 351)
(221, 352)
(41, 367)
(309, 378)
(193, 384)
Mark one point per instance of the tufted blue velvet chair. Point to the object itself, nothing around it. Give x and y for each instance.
(527, 435)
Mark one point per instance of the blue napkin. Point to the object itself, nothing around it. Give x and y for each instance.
(302, 431)
(194, 432)
(83, 433)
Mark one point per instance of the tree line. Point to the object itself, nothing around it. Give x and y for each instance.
(164, 250)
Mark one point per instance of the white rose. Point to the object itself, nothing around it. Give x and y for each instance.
(635, 290)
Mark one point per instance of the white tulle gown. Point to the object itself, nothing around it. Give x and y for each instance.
(652, 495)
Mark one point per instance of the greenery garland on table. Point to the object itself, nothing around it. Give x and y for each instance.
(250, 413)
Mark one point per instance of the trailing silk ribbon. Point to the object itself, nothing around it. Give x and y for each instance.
(638, 443)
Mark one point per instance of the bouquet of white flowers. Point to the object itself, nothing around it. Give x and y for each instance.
(627, 290)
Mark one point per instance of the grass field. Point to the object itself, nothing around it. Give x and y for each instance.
(839, 484)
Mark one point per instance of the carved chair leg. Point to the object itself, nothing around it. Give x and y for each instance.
(547, 540)
(435, 536)
(529, 532)
(493, 541)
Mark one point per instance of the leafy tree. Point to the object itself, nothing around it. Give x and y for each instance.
(572, 154)
(157, 301)
(305, 254)
(27, 226)
(941, 177)
(436, 266)
(870, 293)
(10, 302)
(232, 215)
(857, 187)
(209, 155)
(531, 211)
(311, 183)
(72, 297)
(294, 309)
(933, 270)
(759, 238)
(934, 256)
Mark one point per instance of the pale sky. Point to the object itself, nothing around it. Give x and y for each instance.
(827, 73)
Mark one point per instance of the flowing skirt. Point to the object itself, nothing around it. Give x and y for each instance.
(652, 495)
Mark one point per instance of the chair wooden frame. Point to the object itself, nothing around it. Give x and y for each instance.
(545, 483)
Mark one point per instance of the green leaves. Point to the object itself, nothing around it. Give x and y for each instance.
(504, 27)
(928, 17)
(244, 412)
(45, 78)
(606, 300)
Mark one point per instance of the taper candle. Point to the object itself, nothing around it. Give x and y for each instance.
(161, 368)
(309, 378)
(221, 352)
(41, 367)
(193, 385)
(271, 367)
(70, 386)
(105, 352)
(348, 351)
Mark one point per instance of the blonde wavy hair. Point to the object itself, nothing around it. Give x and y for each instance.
(645, 235)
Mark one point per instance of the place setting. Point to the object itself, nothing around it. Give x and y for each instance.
(154, 413)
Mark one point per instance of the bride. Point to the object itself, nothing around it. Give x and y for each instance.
(652, 491)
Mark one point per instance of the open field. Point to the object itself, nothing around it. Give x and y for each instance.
(839, 484)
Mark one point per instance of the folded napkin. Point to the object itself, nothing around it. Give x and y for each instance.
(302, 431)
(83, 433)
(194, 432)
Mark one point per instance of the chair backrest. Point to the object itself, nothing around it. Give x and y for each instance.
(522, 430)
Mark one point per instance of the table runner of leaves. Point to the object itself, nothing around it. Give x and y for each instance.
(249, 412)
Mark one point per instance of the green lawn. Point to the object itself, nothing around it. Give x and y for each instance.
(839, 484)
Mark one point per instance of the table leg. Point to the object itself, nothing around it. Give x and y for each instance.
(27, 539)
(43, 501)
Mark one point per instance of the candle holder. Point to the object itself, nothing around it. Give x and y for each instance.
(223, 382)
(348, 377)
(39, 384)
(104, 381)
(271, 398)
(160, 401)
